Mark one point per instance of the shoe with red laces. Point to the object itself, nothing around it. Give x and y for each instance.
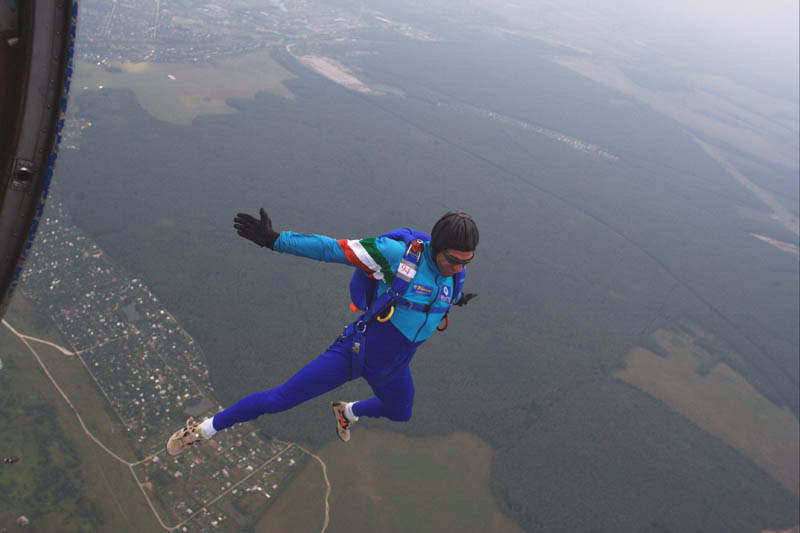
(342, 422)
(187, 436)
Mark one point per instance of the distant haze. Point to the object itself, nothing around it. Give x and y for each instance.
(754, 35)
(766, 27)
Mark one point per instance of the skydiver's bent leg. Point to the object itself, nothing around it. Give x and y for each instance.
(325, 373)
(393, 400)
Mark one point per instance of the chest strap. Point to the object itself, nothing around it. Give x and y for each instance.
(425, 308)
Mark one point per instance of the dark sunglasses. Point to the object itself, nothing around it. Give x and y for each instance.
(455, 261)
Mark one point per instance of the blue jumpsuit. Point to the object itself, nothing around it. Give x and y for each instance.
(389, 346)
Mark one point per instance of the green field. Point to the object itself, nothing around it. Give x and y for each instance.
(63, 480)
(383, 481)
(721, 402)
(197, 89)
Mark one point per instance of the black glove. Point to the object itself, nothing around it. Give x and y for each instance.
(465, 298)
(258, 231)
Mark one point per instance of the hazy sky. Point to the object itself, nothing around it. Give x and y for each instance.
(769, 27)
(751, 34)
(755, 42)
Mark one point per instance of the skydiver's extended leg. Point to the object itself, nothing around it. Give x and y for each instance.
(325, 373)
(393, 400)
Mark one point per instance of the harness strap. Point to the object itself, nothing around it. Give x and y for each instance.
(406, 271)
(425, 308)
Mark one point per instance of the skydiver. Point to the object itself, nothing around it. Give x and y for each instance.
(417, 281)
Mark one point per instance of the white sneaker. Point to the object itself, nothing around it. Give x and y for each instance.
(342, 422)
(184, 437)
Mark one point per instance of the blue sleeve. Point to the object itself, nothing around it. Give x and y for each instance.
(319, 247)
(378, 257)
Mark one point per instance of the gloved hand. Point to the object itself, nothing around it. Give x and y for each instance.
(258, 231)
(465, 298)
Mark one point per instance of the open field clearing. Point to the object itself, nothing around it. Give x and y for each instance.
(721, 402)
(177, 92)
(384, 481)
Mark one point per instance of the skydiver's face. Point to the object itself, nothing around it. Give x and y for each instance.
(450, 262)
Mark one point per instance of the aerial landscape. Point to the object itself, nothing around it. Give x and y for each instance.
(631, 362)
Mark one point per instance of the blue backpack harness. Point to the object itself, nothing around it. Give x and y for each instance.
(363, 290)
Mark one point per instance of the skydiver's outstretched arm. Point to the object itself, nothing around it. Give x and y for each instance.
(376, 256)
(261, 232)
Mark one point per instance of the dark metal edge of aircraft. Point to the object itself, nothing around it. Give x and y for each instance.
(37, 44)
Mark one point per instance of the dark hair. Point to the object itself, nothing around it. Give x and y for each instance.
(455, 230)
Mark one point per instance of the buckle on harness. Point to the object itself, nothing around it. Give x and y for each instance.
(383, 319)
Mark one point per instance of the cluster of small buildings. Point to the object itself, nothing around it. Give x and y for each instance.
(148, 367)
(246, 467)
(154, 376)
(72, 131)
(160, 31)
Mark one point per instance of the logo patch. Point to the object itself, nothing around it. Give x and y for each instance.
(422, 290)
(445, 295)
